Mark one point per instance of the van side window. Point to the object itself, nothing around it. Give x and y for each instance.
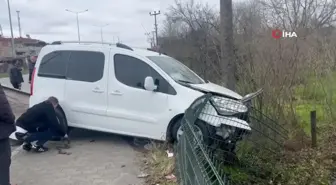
(132, 72)
(86, 66)
(53, 64)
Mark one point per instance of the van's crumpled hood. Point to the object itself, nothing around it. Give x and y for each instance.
(211, 87)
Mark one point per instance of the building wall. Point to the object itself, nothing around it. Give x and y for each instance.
(6, 49)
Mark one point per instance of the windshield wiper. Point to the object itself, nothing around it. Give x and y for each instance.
(185, 81)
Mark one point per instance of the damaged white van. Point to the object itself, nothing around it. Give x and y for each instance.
(118, 89)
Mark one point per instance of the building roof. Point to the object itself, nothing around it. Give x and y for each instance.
(20, 40)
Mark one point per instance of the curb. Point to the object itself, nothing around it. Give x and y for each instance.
(15, 90)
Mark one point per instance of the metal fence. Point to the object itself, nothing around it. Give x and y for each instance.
(238, 148)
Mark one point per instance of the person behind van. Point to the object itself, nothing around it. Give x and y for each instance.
(41, 123)
(15, 75)
(31, 65)
(7, 127)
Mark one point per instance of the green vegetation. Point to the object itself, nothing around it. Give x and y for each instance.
(3, 75)
(298, 163)
(318, 94)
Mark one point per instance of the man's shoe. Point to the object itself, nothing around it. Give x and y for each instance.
(40, 149)
(27, 147)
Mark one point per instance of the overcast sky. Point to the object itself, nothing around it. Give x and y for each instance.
(47, 19)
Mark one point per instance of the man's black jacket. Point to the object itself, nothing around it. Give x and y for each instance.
(7, 118)
(15, 75)
(40, 115)
(31, 65)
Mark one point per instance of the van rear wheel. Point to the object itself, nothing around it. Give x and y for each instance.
(62, 121)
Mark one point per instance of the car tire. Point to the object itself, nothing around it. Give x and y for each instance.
(62, 121)
(201, 125)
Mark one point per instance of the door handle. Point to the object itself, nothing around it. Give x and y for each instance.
(116, 92)
(97, 90)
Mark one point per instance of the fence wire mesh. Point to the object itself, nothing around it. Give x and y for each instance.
(226, 142)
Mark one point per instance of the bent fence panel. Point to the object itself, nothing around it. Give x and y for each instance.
(247, 156)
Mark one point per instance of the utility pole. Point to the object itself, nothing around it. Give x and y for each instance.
(155, 13)
(11, 28)
(153, 39)
(19, 22)
(101, 31)
(77, 20)
(228, 65)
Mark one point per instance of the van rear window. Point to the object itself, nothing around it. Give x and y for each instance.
(73, 65)
(54, 64)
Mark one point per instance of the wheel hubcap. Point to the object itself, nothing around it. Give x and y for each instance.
(197, 130)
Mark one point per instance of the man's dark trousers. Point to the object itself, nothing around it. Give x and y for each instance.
(5, 161)
(42, 136)
(30, 74)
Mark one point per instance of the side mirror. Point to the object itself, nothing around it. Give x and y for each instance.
(149, 84)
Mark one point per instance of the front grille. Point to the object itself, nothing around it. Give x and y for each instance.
(243, 116)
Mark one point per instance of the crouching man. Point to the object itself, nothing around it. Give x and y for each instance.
(41, 124)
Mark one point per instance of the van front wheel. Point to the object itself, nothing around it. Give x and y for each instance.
(200, 128)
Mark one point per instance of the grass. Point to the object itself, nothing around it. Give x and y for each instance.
(313, 166)
(3, 75)
(158, 166)
(318, 94)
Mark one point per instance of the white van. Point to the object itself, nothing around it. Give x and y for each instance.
(118, 89)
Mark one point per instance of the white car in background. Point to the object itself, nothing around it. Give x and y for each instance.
(118, 89)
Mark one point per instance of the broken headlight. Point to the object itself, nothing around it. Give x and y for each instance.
(227, 106)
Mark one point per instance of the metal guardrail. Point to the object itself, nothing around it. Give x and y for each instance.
(244, 158)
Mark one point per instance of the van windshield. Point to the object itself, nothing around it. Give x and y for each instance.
(176, 70)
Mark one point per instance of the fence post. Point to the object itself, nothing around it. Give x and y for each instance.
(313, 128)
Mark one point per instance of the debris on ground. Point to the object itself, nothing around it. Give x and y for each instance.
(171, 177)
(143, 175)
(65, 145)
(170, 154)
(60, 151)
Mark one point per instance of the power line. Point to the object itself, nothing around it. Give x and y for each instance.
(155, 13)
(149, 38)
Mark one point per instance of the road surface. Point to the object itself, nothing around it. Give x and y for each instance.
(94, 158)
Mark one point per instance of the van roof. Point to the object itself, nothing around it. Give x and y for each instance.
(139, 51)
